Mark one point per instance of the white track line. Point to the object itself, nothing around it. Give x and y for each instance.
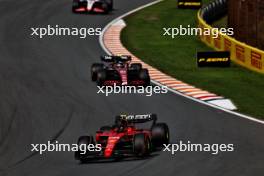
(157, 83)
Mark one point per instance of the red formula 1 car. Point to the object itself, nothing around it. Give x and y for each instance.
(99, 6)
(120, 71)
(124, 139)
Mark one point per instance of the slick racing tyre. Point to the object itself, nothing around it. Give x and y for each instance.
(95, 68)
(110, 4)
(105, 7)
(136, 66)
(101, 77)
(74, 9)
(141, 145)
(83, 140)
(144, 75)
(74, 5)
(160, 135)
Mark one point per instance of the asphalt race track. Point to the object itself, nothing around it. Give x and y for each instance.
(46, 94)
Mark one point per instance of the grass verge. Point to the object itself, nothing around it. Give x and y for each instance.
(177, 57)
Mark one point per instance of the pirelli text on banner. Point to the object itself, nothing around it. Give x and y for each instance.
(213, 59)
(190, 4)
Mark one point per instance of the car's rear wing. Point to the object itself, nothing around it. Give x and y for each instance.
(122, 58)
(139, 118)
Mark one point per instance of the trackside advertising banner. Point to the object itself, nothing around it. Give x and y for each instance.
(190, 4)
(213, 59)
(245, 55)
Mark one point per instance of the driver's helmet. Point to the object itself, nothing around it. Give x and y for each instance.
(121, 124)
(120, 65)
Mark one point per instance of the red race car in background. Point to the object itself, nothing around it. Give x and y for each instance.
(124, 139)
(120, 71)
(99, 6)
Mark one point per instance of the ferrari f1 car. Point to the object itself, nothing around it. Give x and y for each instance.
(120, 71)
(99, 6)
(125, 139)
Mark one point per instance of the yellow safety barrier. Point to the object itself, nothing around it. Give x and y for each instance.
(241, 53)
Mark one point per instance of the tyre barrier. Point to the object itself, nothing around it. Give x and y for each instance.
(214, 11)
(245, 55)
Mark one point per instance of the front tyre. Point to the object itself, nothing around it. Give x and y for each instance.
(111, 5)
(83, 140)
(141, 145)
(105, 7)
(101, 77)
(144, 75)
(74, 6)
(95, 68)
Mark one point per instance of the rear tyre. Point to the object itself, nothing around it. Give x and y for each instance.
(83, 140)
(141, 145)
(95, 68)
(117, 119)
(136, 66)
(160, 135)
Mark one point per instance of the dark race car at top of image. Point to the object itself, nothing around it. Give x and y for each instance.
(120, 71)
(124, 139)
(98, 6)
